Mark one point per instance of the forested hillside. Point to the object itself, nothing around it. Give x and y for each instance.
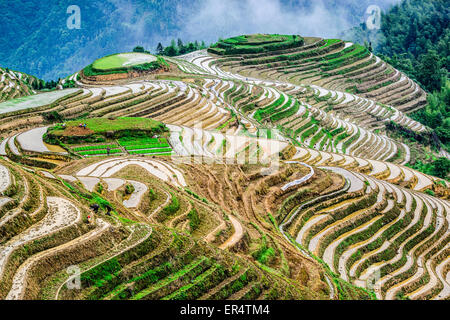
(415, 38)
(39, 43)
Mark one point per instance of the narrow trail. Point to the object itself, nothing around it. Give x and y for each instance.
(181, 217)
(237, 235)
(157, 210)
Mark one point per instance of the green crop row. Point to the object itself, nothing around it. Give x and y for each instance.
(152, 151)
(86, 148)
(316, 138)
(296, 56)
(132, 141)
(224, 47)
(309, 132)
(100, 152)
(146, 146)
(286, 113)
(264, 112)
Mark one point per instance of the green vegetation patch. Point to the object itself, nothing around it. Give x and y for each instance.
(99, 129)
(256, 43)
(100, 152)
(146, 145)
(123, 60)
(124, 63)
(95, 147)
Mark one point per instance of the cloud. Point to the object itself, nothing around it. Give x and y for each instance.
(233, 17)
(211, 19)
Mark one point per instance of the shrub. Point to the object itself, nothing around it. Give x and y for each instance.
(194, 219)
(99, 188)
(152, 195)
(171, 208)
(129, 189)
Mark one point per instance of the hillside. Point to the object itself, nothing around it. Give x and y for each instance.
(113, 26)
(15, 84)
(266, 167)
(414, 38)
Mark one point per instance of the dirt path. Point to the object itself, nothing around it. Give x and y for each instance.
(5, 179)
(237, 235)
(135, 199)
(169, 197)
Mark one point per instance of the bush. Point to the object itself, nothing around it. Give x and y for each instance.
(129, 189)
(99, 188)
(194, 219)
(152, 195)
(173, 207)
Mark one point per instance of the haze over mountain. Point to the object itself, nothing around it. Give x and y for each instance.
(35, 38)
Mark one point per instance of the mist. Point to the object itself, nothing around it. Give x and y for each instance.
(211, 19)
(40, 44)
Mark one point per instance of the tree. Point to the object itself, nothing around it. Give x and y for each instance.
(160, 49)
(410, 30)
(191, 47)
(181, 48)
(441, 168)
(429, 71)
(139, 49)
(170, 51)
(178, 48)
(436, 114)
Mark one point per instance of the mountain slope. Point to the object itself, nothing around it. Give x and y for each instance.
(37, 30)
(15, 84)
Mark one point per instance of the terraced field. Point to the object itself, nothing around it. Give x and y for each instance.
(261, 168)
(123, 60)
(15, 84)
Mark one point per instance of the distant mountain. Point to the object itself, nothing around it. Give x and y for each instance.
(36, 40)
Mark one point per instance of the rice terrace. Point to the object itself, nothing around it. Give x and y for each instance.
(262, 167)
